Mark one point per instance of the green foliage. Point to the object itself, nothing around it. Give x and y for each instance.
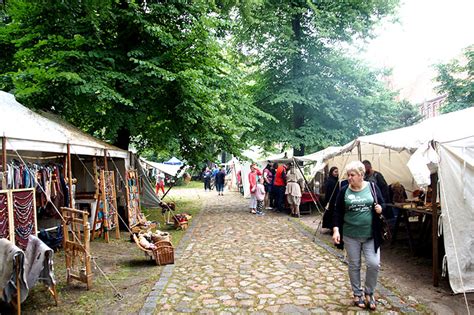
(159, 76)
(193, 79)
(456, 79)
(305, 80)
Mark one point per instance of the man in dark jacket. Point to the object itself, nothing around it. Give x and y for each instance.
(377, 178)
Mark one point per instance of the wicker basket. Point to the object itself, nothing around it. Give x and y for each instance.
(164, 253)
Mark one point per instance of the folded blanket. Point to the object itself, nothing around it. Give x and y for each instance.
(38, 263)
(8, 278)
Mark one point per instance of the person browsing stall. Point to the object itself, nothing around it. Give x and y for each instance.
(356, 221)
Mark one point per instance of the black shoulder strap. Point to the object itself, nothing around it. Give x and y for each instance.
(373, 191)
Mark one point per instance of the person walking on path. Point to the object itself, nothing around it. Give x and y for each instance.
(254, 172)
(220, 180)
(206, 175)
(160, 183)
(260, 195)
(356, 218)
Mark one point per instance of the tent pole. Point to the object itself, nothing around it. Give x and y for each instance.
(306, 182)
(359, 152)
(434, 227)
(4, 154)
(69, 175)
(106, 168)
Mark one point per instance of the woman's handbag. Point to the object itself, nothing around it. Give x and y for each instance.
(385, 228)
(386, 234)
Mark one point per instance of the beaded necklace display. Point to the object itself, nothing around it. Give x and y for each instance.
(109, 193)
(23, 215)
(4, 224)
(133, 198)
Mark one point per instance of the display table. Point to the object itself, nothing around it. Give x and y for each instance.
(423, 216)
(307, 202)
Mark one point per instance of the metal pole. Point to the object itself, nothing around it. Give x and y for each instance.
(4, 154)
(69, 175)
(434, 227)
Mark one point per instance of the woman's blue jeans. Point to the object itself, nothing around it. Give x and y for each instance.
(355, 247)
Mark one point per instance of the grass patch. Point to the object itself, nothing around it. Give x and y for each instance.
(183, 205)
(130, 272)
(191, 184)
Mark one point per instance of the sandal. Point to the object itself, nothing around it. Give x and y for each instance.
(359, 301)
(371, 303)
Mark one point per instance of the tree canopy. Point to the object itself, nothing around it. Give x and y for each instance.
(197, 78)
(456, 80)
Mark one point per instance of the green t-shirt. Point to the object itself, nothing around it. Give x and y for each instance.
(358, 215)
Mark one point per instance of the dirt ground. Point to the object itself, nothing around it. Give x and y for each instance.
(411, 275)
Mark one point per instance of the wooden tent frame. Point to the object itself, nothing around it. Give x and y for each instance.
(106, 193)
(77, 249)
(132, 190)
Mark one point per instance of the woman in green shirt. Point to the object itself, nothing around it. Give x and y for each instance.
(356, 217)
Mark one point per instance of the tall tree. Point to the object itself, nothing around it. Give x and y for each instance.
(456, 79)
(315, 92)
(153, 73)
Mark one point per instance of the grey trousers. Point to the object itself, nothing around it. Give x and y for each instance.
(354, 248)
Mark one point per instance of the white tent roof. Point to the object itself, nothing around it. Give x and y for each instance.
(169, 169)
(30, 131)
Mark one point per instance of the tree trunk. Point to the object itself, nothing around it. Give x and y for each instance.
(123, 138)
(298, 108)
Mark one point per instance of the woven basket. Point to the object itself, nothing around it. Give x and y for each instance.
(164, 253)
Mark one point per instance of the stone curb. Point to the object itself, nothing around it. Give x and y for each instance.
(154, 295)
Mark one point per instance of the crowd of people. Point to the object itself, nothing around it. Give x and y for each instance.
(275, 187)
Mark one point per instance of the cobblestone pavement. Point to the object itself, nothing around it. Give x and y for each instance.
(235, 262)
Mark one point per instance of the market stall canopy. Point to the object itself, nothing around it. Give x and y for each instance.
(173, 161)
(29, 131)
(173, 170)
(316, 160)
(390, 151)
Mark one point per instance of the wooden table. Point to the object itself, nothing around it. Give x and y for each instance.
(424, 214)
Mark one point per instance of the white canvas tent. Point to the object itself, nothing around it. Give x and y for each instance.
(452, 135)
(35, 136)
(26, 130)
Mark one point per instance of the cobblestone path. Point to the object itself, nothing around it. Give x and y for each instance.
(236, 262)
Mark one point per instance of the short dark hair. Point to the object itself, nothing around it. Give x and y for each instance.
(366, 162)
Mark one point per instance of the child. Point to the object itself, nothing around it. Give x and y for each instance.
(260, 195)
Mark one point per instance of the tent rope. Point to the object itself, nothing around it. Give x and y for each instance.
(124, 183)
(118, 295)
(458, 265)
